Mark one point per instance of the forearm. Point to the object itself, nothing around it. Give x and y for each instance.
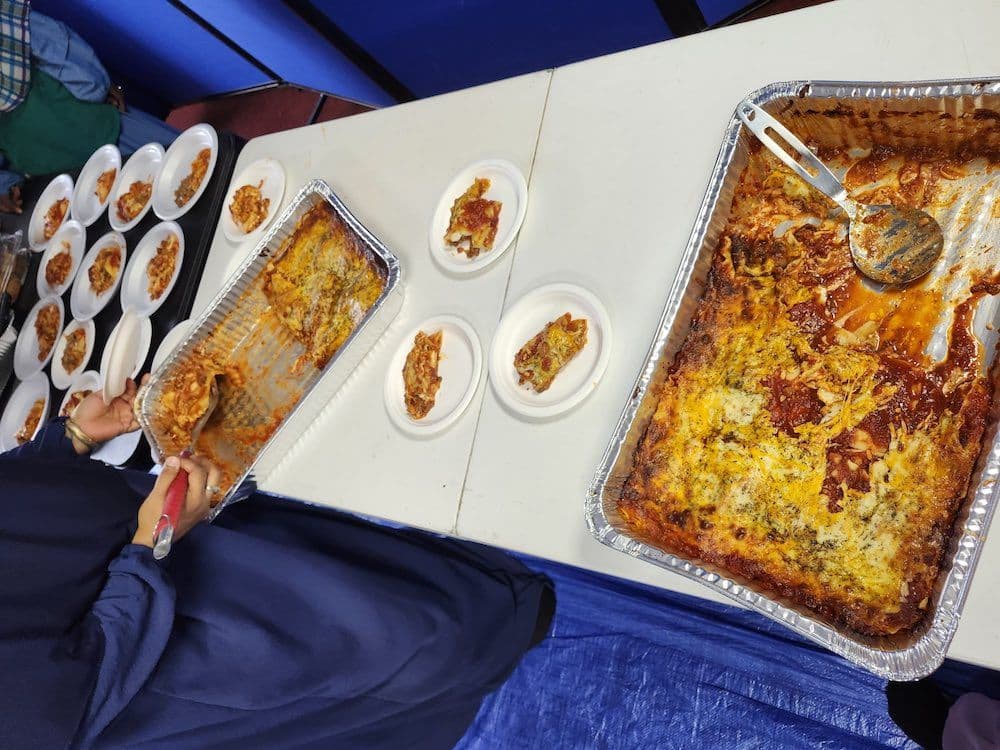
(135, 613)
(52, 442)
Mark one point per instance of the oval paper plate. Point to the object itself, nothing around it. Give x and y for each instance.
(26, 361)
(143, 166)
(20, 403)
(527, 317)
(125, 353)
(460, 369)
(135, 282)
(84, 301)
(61, 379)
(87, 207)
(508, 186)
(71, 237)
(271, 176)
(89, 380)
(177, 165)
(61, 187)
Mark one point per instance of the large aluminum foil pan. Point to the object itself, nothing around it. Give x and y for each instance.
(942, 114)
(233, 321)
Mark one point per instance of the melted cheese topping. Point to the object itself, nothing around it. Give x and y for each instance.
(321, 283)
(549, 351)
(802, 439)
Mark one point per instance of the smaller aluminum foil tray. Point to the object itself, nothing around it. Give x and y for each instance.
(274, 387)
(936, 114)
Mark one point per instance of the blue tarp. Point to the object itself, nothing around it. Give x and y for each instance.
(630, 666)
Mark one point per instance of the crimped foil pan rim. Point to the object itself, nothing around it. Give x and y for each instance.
(929, 650)
(203, 327)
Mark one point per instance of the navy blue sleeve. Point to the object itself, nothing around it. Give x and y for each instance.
(50, 443)
(135, 614)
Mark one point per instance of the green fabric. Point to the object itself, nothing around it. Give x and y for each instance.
(52, 131)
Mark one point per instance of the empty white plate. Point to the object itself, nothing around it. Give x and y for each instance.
(60, 188)
(61, 377)
(87, 207)
(135, 282)
(271, 176)
(26, 361)
(90, 380)
(125, 353)
(143, 166)
(84, 301)
(71, 237)
(460, 369)
(508, 186)
(170, 342)
(177, 165)
(19, 406)
(527, 317)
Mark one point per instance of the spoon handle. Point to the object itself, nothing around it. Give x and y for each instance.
(806, 166)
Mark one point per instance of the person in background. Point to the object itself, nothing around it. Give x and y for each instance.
(56, 102)
(279, 625)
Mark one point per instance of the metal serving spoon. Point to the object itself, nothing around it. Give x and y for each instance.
(888, 244)
(173, 503)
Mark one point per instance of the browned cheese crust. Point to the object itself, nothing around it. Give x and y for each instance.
(802, 438)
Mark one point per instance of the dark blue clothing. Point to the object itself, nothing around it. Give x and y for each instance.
(280, 625)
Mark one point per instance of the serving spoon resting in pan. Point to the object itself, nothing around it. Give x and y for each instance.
(163, 533)
(888, 244)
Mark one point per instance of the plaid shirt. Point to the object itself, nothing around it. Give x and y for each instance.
(15, 53)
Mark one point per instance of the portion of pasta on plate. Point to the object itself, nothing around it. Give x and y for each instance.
(46, 330)
(133, 200)
(420, 373)
(104, 270)
(30, 425)
(161, 267)
(544, 356)
(472, 227)
(249, 207)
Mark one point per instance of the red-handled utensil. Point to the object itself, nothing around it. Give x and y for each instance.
(163, 534)
(173, 504)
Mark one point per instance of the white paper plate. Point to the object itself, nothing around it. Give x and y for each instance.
(460, 368)
(527, 317)
(177, 166)
(143, 166)
(61, 379)
(72, 232)
(118, 451)
(83, 301)
(170, 342)
(508, 186)
(61, 187)
(135, 282)
(273, 175)
(125, 353)
(18, 406)
(85, 205)
(89, 380)
(26, 361)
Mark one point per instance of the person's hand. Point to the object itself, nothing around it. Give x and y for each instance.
(11, 203)
(201, 475)
(102, 422)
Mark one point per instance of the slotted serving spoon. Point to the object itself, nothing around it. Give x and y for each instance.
(163, 534)
(888, 244)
